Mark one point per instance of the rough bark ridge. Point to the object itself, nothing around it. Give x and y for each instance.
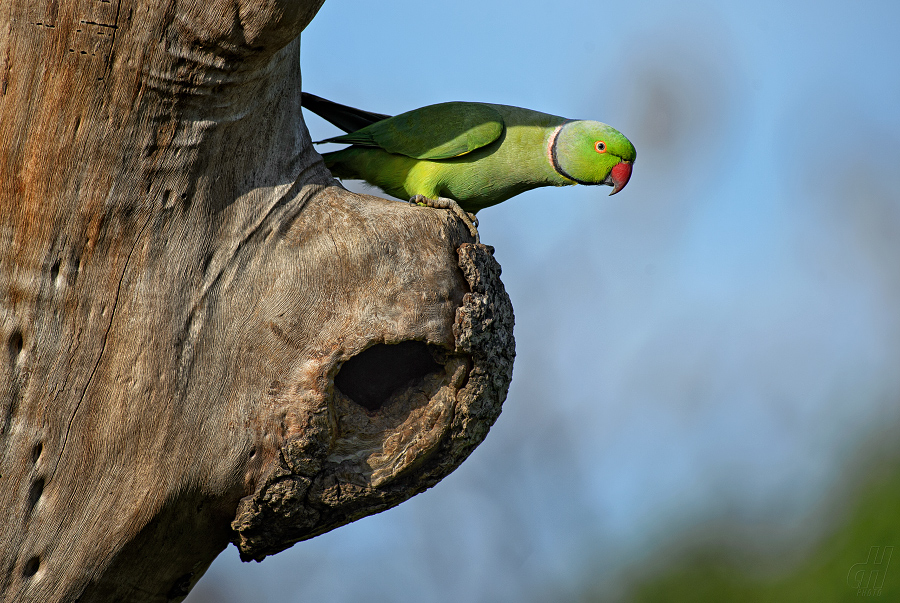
(205, 338)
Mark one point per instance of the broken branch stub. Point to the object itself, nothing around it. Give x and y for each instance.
(364, 448)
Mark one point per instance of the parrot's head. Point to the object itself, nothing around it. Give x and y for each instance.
(590, 152)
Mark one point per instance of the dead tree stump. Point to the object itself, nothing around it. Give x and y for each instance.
(205, 338)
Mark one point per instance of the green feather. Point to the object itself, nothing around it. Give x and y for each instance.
(434, 132)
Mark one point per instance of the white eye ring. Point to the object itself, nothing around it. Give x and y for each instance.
(600, 146)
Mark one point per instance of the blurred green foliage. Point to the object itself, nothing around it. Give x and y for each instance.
(843, 557)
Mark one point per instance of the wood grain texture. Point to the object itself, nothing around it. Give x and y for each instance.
(181, 284)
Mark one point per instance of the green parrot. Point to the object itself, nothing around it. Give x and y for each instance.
(467, 156)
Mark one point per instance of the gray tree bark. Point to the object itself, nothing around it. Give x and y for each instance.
(206, 339)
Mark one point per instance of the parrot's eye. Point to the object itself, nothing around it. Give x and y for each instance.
(600, 146)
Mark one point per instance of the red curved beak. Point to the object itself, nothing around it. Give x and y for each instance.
(619, 176)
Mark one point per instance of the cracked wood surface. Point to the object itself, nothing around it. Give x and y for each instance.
(205, 338)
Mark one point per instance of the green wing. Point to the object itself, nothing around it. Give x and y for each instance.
(434, 132)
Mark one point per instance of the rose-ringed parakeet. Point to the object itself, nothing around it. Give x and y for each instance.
(467, 156)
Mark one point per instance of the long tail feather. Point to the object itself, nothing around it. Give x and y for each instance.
(348, 119)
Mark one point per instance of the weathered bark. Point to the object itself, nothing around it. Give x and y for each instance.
(206, 339)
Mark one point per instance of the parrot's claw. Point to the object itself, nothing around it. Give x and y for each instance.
(444, 203)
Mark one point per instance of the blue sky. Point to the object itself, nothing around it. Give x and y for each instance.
(714, 342)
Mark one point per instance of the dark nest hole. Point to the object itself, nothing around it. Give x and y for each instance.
(371, 377)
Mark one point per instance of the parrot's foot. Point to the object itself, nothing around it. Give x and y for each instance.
(444, 203)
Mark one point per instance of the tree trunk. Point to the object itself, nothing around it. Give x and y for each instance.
(206, 339)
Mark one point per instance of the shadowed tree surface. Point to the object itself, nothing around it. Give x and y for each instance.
(207, 340)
